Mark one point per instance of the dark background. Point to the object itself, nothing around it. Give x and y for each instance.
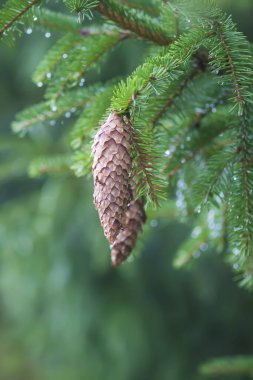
(64, 313)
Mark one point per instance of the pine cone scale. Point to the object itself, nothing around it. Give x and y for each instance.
(126, 239)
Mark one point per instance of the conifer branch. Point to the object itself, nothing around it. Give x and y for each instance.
(197, 138)
(45, 111)
(214, 180)
(85, 56)
(239, 96)
(227, 366)
(173, 90)
(52, 20)
(146, 167)
(53, 165)
(171, 99)
(148, 8)
(147, 172)
(19, 14)
(49, 19)
(137, 22)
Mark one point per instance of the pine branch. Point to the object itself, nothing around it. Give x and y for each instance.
(82, 7)
(206, 234)
(158, 72)
(12, 12)
(135, 21)
(147, 164)
(171, 98)
(149, 7)
(48, 19)
(52, 165)
(40, 113)
(239, 96)
(235, 64)
(200, 133)
(55, 56)
(214, 181)
(79, 60)
(235, 71)
(228, 366)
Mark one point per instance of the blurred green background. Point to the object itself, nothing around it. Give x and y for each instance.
(64, 313)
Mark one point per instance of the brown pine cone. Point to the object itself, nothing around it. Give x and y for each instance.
(111, 172)
(126, 239)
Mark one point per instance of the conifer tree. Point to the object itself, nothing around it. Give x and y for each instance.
(183, 133)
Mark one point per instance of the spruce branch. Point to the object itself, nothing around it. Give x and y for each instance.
(40, 113)
(197, 136)
(214, 181)
(147, 164)
(171, 98)
(85, 55)
(51, 20)
(228, 366)
(81, 7)
(135, 21)
(158, 72)
(206, 234)
(11, 13)
(53, 165)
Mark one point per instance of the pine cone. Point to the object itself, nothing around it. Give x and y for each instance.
(111, 171)
(126, 239)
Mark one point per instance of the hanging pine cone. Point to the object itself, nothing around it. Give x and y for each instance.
(111, 171)
(126, 239)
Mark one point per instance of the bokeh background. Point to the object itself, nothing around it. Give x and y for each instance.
(64, 313)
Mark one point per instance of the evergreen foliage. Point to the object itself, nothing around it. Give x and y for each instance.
(13, 15)
(189, 103)
(239, 365)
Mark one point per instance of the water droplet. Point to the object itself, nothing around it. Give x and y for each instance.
(82, 81)
(47, 34)
(52, 123)
(68, 115)
(49, 75)
(35, 18)
(73, 109)
(183, 161)
(39, 84)
(196, 232)
(235, 266)
(204, 247)
(54, 108)
(29, 31)
(154, 223)
(199, 110)
(65, 55)
(188, 138)
(181, 184)
(196, 254)
(167, 153)
(236, 251)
